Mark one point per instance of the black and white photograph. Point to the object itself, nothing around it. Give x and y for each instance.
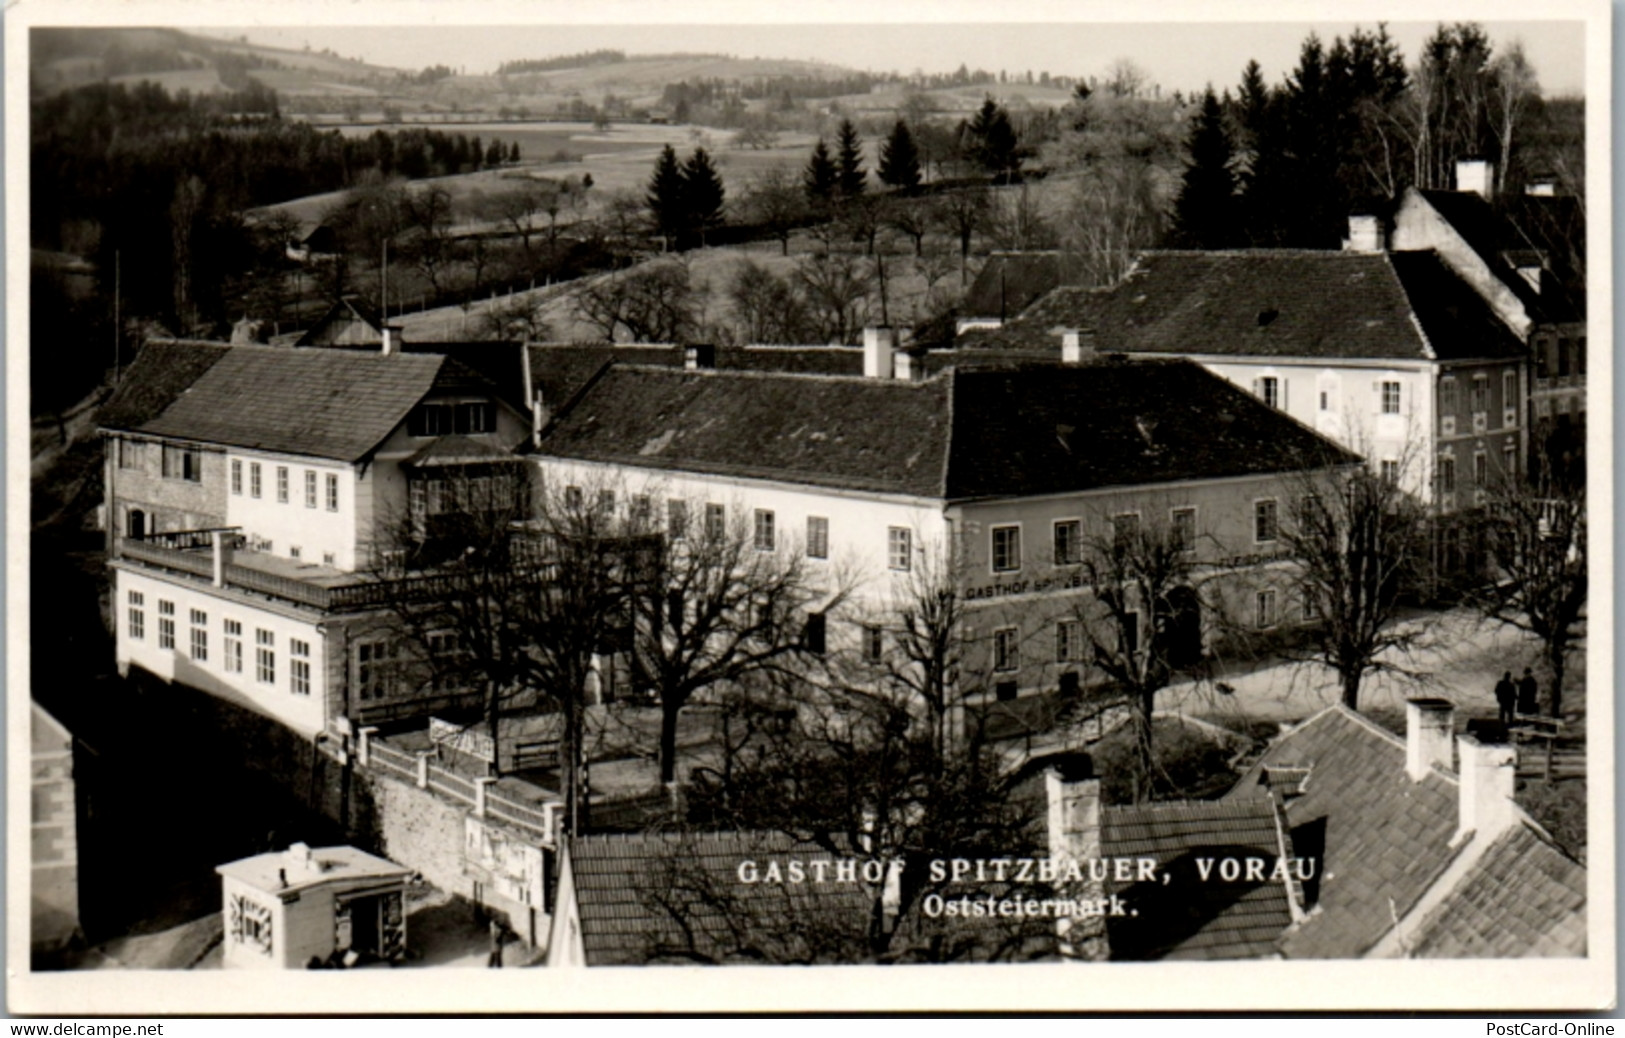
(1023, 507)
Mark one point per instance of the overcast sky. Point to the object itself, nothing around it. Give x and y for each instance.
(1178, 55)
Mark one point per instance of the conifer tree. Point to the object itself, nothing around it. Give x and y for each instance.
(702, 193)
(1205, 211)
(900, 159)
(850, 177)
(819, 177)
(993, 141)
(666, 198)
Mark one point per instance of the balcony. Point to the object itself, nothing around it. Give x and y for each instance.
(192, 553)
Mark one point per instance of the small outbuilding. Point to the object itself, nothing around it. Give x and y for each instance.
(288, 909)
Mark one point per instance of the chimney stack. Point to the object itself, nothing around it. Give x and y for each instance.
(1429, 725)
(1475, 175)
(1365, 233)
(1488, 781)
(538, 419)
(904, 367)
(879, 344)
(1076, 344)
(387, 344)
(1073, 796)
(699, 356)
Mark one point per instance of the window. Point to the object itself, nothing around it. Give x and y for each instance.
(1068, 641)
(1509, 398)
(716, 522)
(764, 530)
(265, 655)
(234, 647)
(429, 420)
(1006, 549)
(606, 502)
(676, 518)
(183, 463)
(329, 558)
(572, 499)
(1068, 542)
(1264, 609)
(294, 551)
(131, 456)
(899, 547)
(1269, 390)
(1390, 471)
(253, 479)
(200, 636)
(299, 666)
(237, 476)
(282, 484)
(1509, 459)
(1480, 401)
(310, 488)
(1266, 524)
(1447, 474)
(1125, 527)
(1311, 603)
(373, 663)
(475, 418)
(332, 492)
(1325, 400)
(874, 643)
(1481, 469)
(815, 636)
(138, 615)
(1006, 649)
(642, 509)
(1182, 528)
(1390, 398)
(166, 624)
(817, 537)
(1447, 395)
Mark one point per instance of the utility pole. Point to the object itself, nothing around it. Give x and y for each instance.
(115, 316)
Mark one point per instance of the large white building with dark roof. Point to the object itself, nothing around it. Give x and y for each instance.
(250, 493)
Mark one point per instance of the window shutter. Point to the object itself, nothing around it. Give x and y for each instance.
(1258, 388)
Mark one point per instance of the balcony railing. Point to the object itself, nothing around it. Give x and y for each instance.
(190, 552)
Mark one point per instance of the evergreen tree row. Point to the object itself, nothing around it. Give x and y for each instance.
(685, 198)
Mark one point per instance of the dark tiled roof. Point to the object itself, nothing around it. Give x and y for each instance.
(559, 370)
(970, 433)
(1554, 226)
(324, 403)
(1523, 898)
(344, 311)
(1268, 303)
(868, 434)
(1191, 917)
(502, 364)
(1385, 838)
(1009, 282)
(1458, 323)
(160, 373)
(1038, 430)
(666, 897)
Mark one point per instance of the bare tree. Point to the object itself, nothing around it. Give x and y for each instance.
(963, 213)
(1143, 594)
(775, 200)
(1537, 527)
(1016, 222)
(1360, 544)
(836, 289)
(655, 302)
(910, 218)
(1513, 86)
(767, 308)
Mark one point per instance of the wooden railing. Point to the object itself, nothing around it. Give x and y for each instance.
(168, 558)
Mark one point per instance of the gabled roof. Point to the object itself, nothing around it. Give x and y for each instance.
(966, 433)
(1457, 321)
(350, 309)
(337, 404)
(1286, 303)
(161, 372)
(1382, 839)
(669, 897)
(1515, 225)
(1195, 916)
(558, 370)
(1009, 282)
(499, 362)
(1524, 897)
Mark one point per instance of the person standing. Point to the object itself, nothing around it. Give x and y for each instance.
(498, 936)
(1528, 693)
(1506, 697)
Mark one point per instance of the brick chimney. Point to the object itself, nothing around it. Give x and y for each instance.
(1365, 233)
(1429, 725)
(1073, 796)
(1476, 175)
(1488, 781)
(1076, 344)
(879, 344)
(388, 345)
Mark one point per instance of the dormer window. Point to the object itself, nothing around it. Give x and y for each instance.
(445, 419)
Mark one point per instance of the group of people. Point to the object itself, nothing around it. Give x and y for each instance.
(1521, 697)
